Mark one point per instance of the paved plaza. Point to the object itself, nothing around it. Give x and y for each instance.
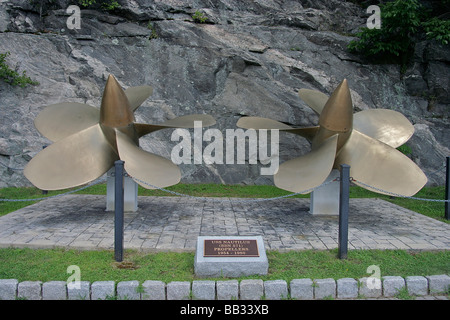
(174, 223)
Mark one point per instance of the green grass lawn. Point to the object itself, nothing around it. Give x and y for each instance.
(51, 264)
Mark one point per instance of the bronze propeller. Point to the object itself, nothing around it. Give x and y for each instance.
(365, 140)
(87, 141)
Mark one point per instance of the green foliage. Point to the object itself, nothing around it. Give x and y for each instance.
(402, 23)
(199, 17)
(104, 4)
(438, 29)
(11, 76)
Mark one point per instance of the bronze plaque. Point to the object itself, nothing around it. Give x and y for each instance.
(230, 248)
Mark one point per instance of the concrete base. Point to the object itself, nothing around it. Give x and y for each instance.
(130, 193)
(230, 266)
(325, 200)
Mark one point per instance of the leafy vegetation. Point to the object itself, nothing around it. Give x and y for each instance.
(199, 17)
(104, 4)
(403, 23)
(13, 77)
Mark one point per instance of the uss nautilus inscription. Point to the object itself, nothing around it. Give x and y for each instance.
(230, 248)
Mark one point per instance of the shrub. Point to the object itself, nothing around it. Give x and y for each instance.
(11, 76)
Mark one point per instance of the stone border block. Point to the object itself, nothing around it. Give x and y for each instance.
(347, 288)
(204, 290)
(275, 289)
(8, 289)
(302, 289)
(29, 290)
(54, 290)
(79, 290)
(251, 289)
(324, 288)
(102, 290)
(439, 283)
(370, 287)
(179, 290)
(392, 285)
(153, 290)
(128, 290)
(227, 290)
(417, 285)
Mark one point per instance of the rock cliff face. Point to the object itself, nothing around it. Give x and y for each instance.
(249, 58)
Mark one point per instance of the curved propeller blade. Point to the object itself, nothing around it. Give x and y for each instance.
(72, 161)
(137, 95)
(258, 123)
(146, 166)
(58, 121)
(388, 126)
(178, 122)
(308, 171)
(261, 123)
(316, 100)
(377, 164)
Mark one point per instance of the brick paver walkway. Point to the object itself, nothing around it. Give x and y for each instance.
(174, 223)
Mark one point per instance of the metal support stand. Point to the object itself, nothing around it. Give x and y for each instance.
(447, 189)
(343, 211)
(118, 208)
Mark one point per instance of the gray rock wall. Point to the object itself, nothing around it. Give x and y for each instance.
(250, 58)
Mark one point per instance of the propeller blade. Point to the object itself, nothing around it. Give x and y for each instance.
(58, 121)
(146, 166)
(316, 100)
(388, 126)
(179, 122)
(308, 171)
(258, 123)
(72, 161)
(261, 123)
(377, 164)
(137, 95)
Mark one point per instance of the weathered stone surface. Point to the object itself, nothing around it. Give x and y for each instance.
(249, 59)
(179, 290)
(227, 290)
(128, 290)
(324, 288)
(251, 289)
(153, 290)
(204, 290)
(103, 290)
(30, 290)
(8, 289)
(302, 289)
(392, 285)
(54, 290)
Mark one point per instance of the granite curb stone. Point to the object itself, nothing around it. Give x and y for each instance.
(324, 288)
(227, 290)
(392, 285)
(128, 290)
(29, 290)
(439, 283)
(347, 288)
(204, 290)
(102, 290)
(417, 285)
(251, 289)
(434, 287)
(54, 290)
(302, 289)
(8, 289)
(275, 289)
